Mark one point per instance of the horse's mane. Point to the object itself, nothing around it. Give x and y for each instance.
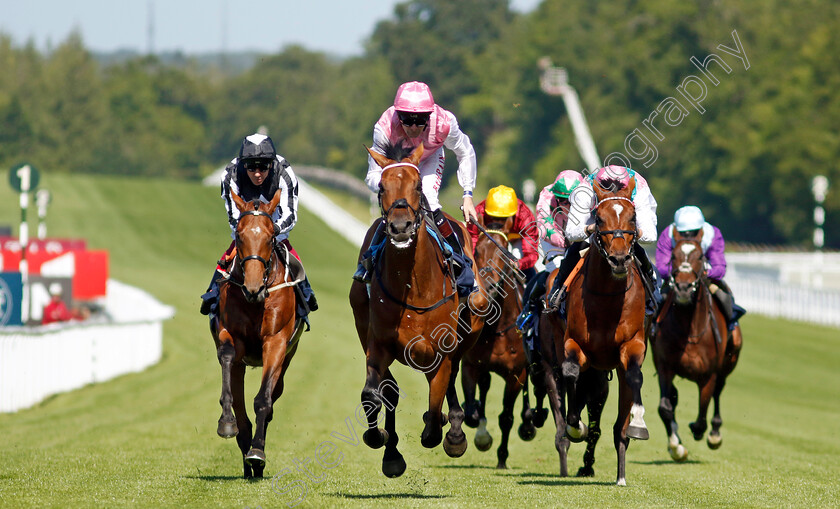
(612, 185)
(397, 152)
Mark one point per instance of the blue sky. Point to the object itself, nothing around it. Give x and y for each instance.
(194, 26)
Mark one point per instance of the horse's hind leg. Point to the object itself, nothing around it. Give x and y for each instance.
(598, 389)
(393, 463)
(483, 440)
(707, 389)
(469, 378)
(455, 442)
(434, 419)
(555, 400)
(575, 428)
(714, 439)
(527, 430)
(512, 388)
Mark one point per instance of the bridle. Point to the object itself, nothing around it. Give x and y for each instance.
(685, 267)
(266, 263)
(402, 203)
(599, 234)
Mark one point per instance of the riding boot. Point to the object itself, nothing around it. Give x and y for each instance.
(364, 271)
(654, 297)
(527, 320)
(464, 277)
(308, 294)
(558, 290)
(210, 298)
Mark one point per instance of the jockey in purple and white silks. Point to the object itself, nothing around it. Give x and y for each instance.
(581, 225)
(413, 119)
(690, 222)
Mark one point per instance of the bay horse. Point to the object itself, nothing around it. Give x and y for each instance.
(499, 347)
(256, 326)
(606, 326)
(691, 341)
(412, 314)
(592, 386)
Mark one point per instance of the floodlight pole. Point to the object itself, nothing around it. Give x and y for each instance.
(555, 81)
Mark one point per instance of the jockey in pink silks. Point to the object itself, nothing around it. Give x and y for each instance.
(414, 119)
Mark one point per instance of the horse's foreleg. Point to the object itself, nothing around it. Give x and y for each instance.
(598, 389)
(455, 442)
(469, 377)
(393, 464)
(706, 389)
(271, 387)
(552, 385)
(667, 411)
(377, 365)
(571, 368)
(632, 354)
(434, 419)
(620, 438)
(226, 353)
(243, 438)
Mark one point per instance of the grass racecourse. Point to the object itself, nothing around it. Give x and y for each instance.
(149, 439)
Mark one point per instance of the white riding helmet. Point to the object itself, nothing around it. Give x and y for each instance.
(688, 218)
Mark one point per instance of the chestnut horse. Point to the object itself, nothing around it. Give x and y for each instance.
(256, 326)
(592, 386)
(606, 319)
(692, 342)
(412, 314)
(499, 347)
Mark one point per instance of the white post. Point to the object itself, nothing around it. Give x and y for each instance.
(555, 81)
(24, 173)
(819, 186)
(42, 199)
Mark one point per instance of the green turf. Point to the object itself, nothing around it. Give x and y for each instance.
(149, 439)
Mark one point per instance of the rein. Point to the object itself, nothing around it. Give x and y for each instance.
(510, 260)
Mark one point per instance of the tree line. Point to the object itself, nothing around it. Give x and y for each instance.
(731, 106)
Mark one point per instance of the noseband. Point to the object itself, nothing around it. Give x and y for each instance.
(402, 203)
(266, 263)
(600, 234)
(686, 267)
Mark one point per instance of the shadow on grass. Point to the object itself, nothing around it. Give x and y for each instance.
(385, 496)
(667, 462)
(566, 481)
(464, 467)
(227, 478)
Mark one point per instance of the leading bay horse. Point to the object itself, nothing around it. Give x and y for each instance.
(691, 341)
(256, 326)
(412, 314)
(499, 347)
(606, 318)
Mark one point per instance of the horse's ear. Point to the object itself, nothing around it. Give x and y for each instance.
(628, 191)
(272, 205)
(508, 224)
(239, 202)
(380, 159)
(601, 192)
(416, 154)
(677, 235)
(699, 235)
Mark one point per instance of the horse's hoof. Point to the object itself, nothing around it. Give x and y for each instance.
(483, 441)
(540, 416)
(256, 459)
(431, 437)
(455, 448)
(714, 440)
(637, 432)
(678, 453)
(227, 429)
(696, 430)
(501, 465)
(393, 467)
(375, 437)
(527, 432)
(586, 471)
(577, 434)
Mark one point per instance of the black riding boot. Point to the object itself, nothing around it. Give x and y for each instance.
(365, 269)
(654, 297)
(210, 299)
(570, 259)
(465, 279)
(526, 322)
